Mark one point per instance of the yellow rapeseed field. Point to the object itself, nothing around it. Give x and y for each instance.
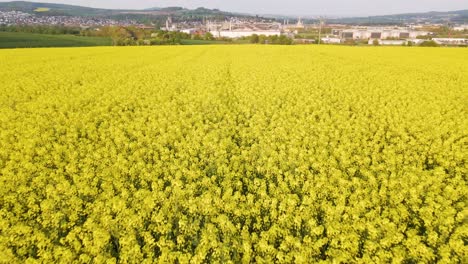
(234, 154)
(42, 9)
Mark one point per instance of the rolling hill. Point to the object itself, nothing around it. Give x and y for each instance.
(72, 10)
(459, 16)
(180, 13)
(54, 9)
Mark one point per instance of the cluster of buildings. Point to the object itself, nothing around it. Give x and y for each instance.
(233, 28)
(236, 27)
(242, 27)
(239, 28)
(388, 36)
(381, 35)
(9, 18)
(21, 18)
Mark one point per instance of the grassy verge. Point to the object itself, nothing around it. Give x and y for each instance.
(30, 40)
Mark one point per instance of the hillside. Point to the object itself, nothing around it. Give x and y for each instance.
(180, 13)
(72, 10)
(53, 9)
(459, 16)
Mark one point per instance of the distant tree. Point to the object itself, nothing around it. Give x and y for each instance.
(254, 39)
(284, 40)
(262, 39)
(429, 43)
(136, 33)
(119, 36)
(376, 42)
(208, 36)
(273, 39)
(276, 40)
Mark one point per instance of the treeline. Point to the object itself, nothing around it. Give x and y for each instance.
(133, 36)
(276, 40)
(121, 36)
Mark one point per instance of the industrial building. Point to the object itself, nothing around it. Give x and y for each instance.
(330, 40)
(451, 41)
(378, 33)
(396, 42)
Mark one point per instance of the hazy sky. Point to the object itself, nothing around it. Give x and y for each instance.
(289, 7)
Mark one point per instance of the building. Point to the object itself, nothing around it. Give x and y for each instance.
(331, 40)
(388, 42)
(300, 24)
(399, 42)
(304, 41)
(293, 27)
(416, 41)
(378, 33)
(189, 30)
(451, 41)
(194, 31)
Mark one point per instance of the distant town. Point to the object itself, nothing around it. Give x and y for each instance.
(22, 18)
(299, 31)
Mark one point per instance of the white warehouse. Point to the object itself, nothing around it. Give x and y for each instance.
(451, 41)
(379, 33)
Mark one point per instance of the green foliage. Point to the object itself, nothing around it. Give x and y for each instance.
(429, 43)
(254, 39)
(276, 40)
(208, 36)
(121, 36)
(233, 154)
(171, 37)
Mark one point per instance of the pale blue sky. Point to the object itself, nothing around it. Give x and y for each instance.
(288, 7)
